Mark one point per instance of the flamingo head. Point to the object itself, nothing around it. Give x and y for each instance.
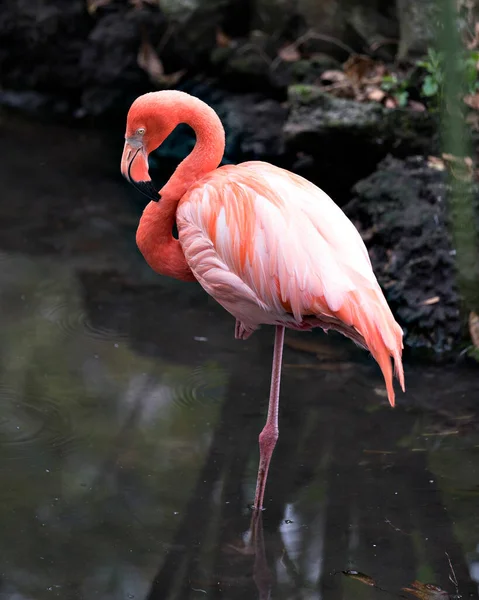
(150, 121)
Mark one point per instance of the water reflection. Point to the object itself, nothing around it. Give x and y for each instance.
(129, 421)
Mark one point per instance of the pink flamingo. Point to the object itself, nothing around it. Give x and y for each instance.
(268, 245)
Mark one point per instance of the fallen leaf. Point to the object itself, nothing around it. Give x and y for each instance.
(462, 167)
(474, 42)
(432, 300)
(366, 579)
(222, 40)
(472, 119)
(417, 106)
(376, 95)
(358, 66)
(436, 163)
(150, 62)
(426, 591)
(474, 328)
(333, 75)
(289, 53)
(472, 100)
(93, 5)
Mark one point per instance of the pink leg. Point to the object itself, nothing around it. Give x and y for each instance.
(270, 433)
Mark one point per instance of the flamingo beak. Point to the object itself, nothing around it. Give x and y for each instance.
(134, 167)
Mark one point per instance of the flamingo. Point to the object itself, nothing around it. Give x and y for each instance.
(265, 243)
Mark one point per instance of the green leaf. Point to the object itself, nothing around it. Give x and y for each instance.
(388, 82)
(402, 98)
(430, 86)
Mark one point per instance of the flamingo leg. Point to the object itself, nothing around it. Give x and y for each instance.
(270, 433)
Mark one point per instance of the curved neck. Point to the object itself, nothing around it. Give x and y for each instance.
(209, 147)
(155, 233)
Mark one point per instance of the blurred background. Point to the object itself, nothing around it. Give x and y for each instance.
(129, 415)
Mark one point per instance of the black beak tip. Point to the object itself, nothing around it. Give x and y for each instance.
(148, 189)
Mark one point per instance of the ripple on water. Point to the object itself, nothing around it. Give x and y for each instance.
(196, 389)
(73, 320)
(28, 421)
(70, 318)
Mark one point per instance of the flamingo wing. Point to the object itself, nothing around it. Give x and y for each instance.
(273, 248)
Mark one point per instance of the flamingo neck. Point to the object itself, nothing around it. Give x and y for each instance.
(155, 232)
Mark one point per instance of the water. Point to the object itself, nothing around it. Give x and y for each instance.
(129, 419)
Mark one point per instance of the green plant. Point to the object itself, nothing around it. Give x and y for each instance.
(434, 65)
(398, 88)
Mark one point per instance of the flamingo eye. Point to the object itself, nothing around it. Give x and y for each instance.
(140, 131)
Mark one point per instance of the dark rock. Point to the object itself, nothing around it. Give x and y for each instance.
(350, 24)
(56, 58)
(108, 64)
(401, 210)
(42, 43)
(347, 139)
(418, 22)
(257, 124)
(197, 22)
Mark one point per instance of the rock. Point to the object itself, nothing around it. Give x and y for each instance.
(346, 139)
(59, 59)
(197, 22)
(359, 24)
(418, 20)
(111, 76)
(401, 211)
(274, 17)
(257, 125)
(42, 45)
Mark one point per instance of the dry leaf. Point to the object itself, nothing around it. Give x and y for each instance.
(358, 66)
(333, 75)
(150, 62)
(222, 40)
(289, 53)
(93, 5)
(376, 95)
(436, 163)
(427, 591)
(461, 167)
(472, 100)
(472, 119)
(432, 300)
(417, 106)
(475, 40)
(366, 579)
(474, 328)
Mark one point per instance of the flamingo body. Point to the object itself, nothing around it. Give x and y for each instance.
(272, 248)
(268, 245)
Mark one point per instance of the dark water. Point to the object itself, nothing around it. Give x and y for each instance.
(129, 419)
